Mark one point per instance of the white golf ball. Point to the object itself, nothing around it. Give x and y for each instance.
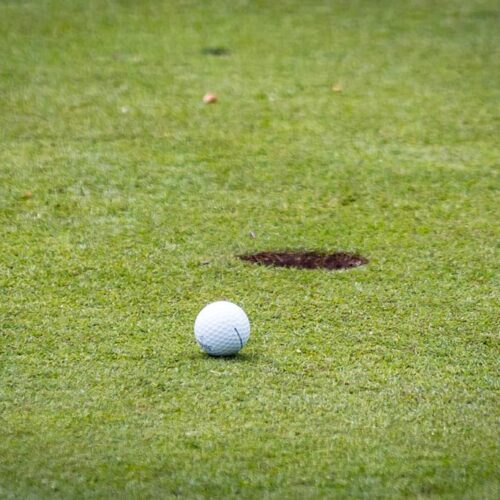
(222, 328)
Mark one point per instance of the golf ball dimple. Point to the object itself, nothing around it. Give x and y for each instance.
(222, 328)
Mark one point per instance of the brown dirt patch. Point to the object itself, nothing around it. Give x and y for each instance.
(306, 260)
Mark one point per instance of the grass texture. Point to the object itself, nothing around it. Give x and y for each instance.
(124, 200)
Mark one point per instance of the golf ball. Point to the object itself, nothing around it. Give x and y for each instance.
(222, 328)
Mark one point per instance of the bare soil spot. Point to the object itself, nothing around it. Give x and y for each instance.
(215, 51)
(306, 260)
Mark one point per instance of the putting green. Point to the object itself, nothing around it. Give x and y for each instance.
(339, 126)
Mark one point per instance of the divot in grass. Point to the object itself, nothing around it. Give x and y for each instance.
(306, 260)
(215, 51)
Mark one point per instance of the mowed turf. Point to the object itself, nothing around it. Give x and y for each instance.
(124, 201)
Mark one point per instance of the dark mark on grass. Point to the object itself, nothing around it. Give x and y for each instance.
(306, 260)
(215, 51)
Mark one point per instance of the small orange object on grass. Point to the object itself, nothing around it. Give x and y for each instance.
(209, 98)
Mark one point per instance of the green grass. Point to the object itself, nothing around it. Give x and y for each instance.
(375, 382)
